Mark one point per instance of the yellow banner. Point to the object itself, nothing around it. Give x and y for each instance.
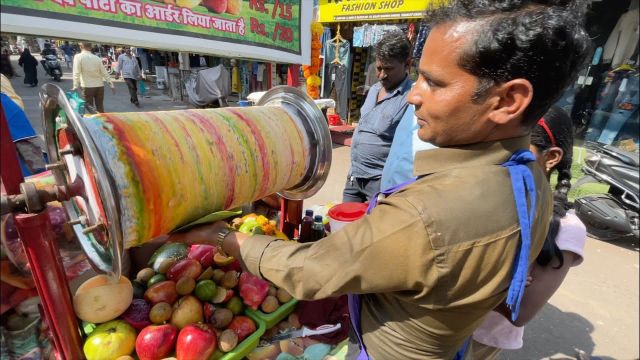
(370, 10)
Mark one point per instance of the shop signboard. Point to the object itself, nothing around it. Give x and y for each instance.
(260, 29)
(370, 10)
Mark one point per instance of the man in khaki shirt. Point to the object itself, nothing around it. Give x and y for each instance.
(432, 259)
(89, 75)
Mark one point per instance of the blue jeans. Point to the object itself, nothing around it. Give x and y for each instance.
(359, 189)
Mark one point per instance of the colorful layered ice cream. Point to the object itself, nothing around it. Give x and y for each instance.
(171, 168)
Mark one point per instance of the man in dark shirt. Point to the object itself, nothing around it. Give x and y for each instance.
(383, 108)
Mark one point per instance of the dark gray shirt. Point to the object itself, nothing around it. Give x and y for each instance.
(372, 138)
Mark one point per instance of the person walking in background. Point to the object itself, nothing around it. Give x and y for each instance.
(89, 75)
(130, 70)
(552, 145)
(29, 65)
(6, 68)
(383, 108)
(68, 53)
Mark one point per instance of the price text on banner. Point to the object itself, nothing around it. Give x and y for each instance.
(273, 24)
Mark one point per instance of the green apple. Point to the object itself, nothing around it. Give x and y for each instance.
(110, 340)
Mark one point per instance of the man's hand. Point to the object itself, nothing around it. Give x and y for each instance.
(204, 234)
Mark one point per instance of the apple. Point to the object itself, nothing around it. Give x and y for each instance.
(138, 314)
(196, 342)
(243, 326)
(164, 291)
(233, 7)
(184, 268)
(217, 6)
(110, 340)
(156, 342)
(203, 254)
(208, 309)
(187, 310)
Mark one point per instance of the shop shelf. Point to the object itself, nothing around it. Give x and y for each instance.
(275, 317)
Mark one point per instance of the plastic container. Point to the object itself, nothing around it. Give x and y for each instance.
(244, 103)
(342, 214)
(247, 345)
(275, 317)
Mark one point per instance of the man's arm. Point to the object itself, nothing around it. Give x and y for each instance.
(375, 254)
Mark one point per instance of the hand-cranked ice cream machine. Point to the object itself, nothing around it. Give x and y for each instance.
(126, 178)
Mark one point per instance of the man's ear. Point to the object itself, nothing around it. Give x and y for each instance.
(513, 98)
(552, 157)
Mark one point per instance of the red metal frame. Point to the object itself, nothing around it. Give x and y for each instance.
(44, 257)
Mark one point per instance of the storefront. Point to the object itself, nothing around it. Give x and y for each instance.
(351, 28)
(603, 102)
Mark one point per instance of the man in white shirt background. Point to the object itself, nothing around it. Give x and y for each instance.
(130, 70)
(89, 76)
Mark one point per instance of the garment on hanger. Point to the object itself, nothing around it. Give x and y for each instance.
(344, 51)
(420, 40)
(618, 104)
(623, 40)
(340, 89)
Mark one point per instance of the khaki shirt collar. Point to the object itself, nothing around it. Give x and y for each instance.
(486, 153)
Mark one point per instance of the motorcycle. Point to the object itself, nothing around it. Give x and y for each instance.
(52, 67)
(615, 214)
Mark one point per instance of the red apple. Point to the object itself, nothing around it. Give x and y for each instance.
(138, 314)
(184, 268)
(217, 6)
(164, 291)
(243, 326)
(203, 254)
(156, 342)
(196, 342)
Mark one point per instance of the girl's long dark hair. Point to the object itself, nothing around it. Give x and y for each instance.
(558, 122)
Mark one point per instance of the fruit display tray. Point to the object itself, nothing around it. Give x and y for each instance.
(275, 317)
(247, 345)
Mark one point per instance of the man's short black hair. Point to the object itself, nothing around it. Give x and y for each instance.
(393, 46)
(542, 41)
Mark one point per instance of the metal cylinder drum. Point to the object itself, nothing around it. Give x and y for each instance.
(143, 175)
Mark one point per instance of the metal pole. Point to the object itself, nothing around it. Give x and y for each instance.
(51, 282)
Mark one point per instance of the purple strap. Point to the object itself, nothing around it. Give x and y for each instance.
(354, 299)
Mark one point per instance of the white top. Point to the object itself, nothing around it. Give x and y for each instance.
(88, 71)
(496, 330)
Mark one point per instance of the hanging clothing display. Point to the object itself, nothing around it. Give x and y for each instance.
(618, 105)
(245, 79)
(368, 35)
(623, 40)
(420, 40)
(334, 51)
(340, 88)
(235, 79)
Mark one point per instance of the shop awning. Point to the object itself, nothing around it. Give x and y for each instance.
(244, 29)
(372, 10)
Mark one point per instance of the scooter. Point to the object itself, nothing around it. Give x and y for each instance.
(612, 215)
(52, 67)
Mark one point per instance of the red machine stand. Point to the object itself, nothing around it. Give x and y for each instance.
(34, 227)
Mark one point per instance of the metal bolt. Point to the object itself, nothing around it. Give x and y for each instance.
(81, 220)
(92, 228)
(67, 151)
(58, 165)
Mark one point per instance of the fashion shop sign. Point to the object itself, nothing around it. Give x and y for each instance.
(359, 10)
(261, 29)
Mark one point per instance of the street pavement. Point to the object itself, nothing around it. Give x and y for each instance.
(595, 311)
